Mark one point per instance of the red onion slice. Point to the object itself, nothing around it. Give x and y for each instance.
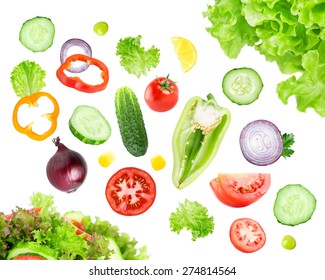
(75, 43)
(261, 142)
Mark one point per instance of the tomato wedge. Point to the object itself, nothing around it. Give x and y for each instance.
(130, 191)
(27, 258)
(240, 189)
(247, 235)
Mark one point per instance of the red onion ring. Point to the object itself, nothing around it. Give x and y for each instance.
(75, 42)
(261, 142)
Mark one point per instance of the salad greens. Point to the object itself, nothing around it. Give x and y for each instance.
(136, 59)
(288, 32)
(27, 78)
(47, 227)
(194, 217)
(288, 140)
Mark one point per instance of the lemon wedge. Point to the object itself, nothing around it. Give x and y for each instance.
(185, 51)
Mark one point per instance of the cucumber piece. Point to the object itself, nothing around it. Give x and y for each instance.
(130, 122)
(242, 85)
(33, 248)
(294, 205)
(37, 34)
(89, 125)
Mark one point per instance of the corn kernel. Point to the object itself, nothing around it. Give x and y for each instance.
(106, 159)
(158, 162)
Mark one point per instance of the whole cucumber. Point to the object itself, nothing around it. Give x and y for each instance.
(130, 122)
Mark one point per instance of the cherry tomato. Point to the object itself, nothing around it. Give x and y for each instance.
(247, 235)
(27, 258)
(130, 191)
(161, 94)
(240, 189)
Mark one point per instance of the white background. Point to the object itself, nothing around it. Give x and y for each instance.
(24, 160)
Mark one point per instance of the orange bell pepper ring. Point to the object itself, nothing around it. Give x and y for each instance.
(31, 100)
(76, 82)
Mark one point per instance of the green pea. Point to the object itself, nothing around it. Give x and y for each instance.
(288, 242)
(101, 28)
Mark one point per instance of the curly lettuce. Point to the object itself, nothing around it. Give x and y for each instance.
(287, 32)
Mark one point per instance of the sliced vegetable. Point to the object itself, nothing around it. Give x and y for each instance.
(136, 59)
(75, 82)
(261, 142)
(32, 100)
(37, 34)
(89, 125)
(101, 28)
(80, 45)
(240, 189)
(193, 216)
(161, 94)
(185, 51)
(294, 205)
(288, 242)
(157, 162)
(34, 248)
(27, 78)
(67, 169)
(106, 159)
(130, 122)
(242, 85)
(247, 235)
(130, 191)
(28, 258)
(197, 137)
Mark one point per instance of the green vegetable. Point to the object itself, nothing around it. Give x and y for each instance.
(101, 28)
(242, 85)
(294, 205)
(135, 58)
(130, 122)
(288, 32)
(37, 34)
(32, 248)
(27, 230)
(89, 125)
(27, 78)
(192, 216)
(288, 140)
(288, 242)
(197, 137)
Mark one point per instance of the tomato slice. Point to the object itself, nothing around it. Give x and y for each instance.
(247, 235)
(240, 189)
(130, 191)
(27, 258)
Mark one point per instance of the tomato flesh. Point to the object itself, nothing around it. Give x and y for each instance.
(28, 258)
(130, 191)
(240, 189)
(247, 235)
(161, 94)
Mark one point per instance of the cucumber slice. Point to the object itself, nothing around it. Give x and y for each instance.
(294, 205)
(242, 85)
(33, 248)
(89, 125)
(37, 34)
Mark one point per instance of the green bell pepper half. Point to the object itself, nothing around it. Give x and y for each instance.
(197, 137)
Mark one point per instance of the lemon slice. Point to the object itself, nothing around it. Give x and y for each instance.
(185, 51)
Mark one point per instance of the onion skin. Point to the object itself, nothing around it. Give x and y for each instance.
(67, 169)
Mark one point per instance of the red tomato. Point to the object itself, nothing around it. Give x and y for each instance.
(247, 235)
(240, 189)
(28, 258)
(80, 228)
(130, 191)
(161, 94)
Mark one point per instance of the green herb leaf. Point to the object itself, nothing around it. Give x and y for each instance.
(27, 78)
(192, 216)
(135, 58)
(288, 140)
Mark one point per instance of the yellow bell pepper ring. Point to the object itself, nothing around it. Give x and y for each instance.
(31, 100)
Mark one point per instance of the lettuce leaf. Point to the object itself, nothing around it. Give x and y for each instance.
(136, 59)
(27, 78)
(288, 32)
